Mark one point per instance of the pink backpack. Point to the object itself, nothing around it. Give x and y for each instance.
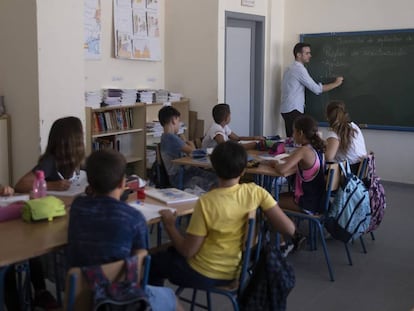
(376, 194)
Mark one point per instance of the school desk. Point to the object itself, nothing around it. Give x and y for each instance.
(264, 174)
(21, 241)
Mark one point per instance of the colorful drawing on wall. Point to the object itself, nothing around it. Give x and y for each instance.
(92, 29)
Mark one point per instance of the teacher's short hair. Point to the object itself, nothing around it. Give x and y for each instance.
(299, 46)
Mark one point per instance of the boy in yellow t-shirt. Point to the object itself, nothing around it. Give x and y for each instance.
(210, 251)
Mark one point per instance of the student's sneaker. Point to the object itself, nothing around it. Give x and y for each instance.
(298, 241)
(286, 248)
(45, 300)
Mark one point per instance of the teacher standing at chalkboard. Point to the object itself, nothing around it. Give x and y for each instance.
(295, 79)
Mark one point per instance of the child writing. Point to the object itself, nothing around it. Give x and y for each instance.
(173, 147)
(64, 154)
(220, 132)
(308, 159)
(217, 224)
(125, 227)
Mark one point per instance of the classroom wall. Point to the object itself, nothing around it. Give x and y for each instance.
(191, 52)
(18, 65)
(393, 149)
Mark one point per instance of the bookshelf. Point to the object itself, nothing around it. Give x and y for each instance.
(123, 128)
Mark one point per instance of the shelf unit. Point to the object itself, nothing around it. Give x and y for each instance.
(119, 127)
(123, 128)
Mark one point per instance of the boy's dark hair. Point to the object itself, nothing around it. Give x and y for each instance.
(166, 113)
(299, 47)
(105, 170)
(220, 112)
(229, 159)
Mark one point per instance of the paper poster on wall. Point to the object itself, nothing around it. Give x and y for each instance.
(136, 29)
(92, 29)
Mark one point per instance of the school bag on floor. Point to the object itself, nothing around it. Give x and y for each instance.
(349, 214)
(272, 280)
(376, 194)
(126, 295)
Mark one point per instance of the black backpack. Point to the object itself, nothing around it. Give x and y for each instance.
(271, 282)
(126, 295)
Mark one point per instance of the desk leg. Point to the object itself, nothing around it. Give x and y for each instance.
(3, 271)
(57, 278)
(181, 178)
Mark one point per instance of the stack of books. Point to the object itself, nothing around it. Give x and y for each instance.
(161, 96)
(93, 99)
(174, 97)
(128, 97)
(145, 96)
(112, 97)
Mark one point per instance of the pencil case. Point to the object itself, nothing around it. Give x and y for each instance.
(47, 207)
(11, 211)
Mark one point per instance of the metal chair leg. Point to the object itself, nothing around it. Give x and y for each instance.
(325, 250)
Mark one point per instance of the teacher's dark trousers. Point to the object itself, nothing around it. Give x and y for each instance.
(289, 118)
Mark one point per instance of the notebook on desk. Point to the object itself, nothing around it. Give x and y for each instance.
(6, 200)
(150, 211)
(78, 184)
(170, 195)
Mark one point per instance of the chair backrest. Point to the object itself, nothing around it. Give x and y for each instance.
(363, 168)
(333, 181)
(160, 175)
(78, 294)
(251, 240)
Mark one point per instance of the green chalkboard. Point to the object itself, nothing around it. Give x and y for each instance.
(378, 71)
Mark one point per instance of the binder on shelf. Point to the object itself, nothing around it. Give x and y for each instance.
(170, 195)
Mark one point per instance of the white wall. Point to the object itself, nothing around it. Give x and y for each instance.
(393, 150)
(191, 52)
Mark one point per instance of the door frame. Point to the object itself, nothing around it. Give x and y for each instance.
(233, 19)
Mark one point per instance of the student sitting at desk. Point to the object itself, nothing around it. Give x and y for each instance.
(220, 131)
(344, 139)
(119, 228)
(217, 224)
(173, 147)
(64, 154)
(310, 178)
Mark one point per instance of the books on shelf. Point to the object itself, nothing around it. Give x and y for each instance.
(150, 211)
(170, 195)
(116, 119)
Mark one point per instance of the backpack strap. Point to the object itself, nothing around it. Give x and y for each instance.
(94, 276)
(131, 266)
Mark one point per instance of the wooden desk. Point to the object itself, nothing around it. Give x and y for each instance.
(21, 241)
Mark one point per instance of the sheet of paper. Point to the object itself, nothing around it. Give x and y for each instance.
(78, 184)
(4, 201)
(150, 211)
(278, 157)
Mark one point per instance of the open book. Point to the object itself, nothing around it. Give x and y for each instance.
(170, 195)
(150, 211)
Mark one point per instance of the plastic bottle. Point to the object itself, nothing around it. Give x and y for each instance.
(39, 185)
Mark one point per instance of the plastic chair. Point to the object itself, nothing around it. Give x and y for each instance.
(78, 294)
(251, 240)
